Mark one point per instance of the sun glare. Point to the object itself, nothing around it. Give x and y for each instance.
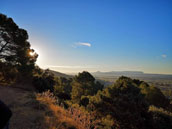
(31, 53)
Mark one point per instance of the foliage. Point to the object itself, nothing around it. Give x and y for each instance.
(124, 104)
(14, 47)
(63, 88)
(83, 118)
(59, 118)
(162, 118)
(84, 84)
(154, 96)
(84, 101)
(44, 82)
(168, 94)
(8, 73)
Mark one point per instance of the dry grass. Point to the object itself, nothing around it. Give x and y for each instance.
(56, 117)
(40, 111)
(34, 111)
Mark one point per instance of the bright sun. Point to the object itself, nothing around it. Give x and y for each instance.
(31, 53)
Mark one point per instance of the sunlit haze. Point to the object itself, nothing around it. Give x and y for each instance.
(97, 35)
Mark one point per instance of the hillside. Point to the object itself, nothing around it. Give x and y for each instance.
(59, 74)
(48, 99)
(34, 111)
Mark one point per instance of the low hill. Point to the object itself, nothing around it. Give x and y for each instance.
(59, 74)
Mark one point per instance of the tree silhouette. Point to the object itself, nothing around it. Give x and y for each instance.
(14, 47)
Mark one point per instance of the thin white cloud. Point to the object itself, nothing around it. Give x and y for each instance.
(164, 56)
(83, 44)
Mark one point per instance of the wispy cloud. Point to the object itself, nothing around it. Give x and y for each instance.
(164, 56)
(81, 44)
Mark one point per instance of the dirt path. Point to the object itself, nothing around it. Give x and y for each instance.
(25, 108)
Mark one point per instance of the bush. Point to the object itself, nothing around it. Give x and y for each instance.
(154, 96)
(63, 88)
(124, 104)
(84, 101)
(8, 73)
(162, 118)
(84, 119)
(84, 84)
(44, 82)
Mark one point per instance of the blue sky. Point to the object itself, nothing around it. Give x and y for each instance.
(97, 35)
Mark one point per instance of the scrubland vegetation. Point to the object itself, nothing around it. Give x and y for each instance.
(80, 102)
(128, 103)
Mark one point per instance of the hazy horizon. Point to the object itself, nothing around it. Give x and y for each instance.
(75, 73)
(72, 36)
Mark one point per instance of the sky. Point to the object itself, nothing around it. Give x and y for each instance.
(97, 35)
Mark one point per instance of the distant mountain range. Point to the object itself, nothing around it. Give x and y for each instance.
(138, 74)
(116, 74)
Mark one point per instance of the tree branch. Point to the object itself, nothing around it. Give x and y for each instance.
(1, 50)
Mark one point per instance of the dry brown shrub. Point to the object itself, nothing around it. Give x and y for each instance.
(56, 117)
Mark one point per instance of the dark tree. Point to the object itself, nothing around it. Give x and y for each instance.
(84, 77)
(44, 82)
(124, 104)
(63, 88)
(14, 47)
(154, 96)
(84, 84)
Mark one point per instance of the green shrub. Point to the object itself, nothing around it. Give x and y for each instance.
(44, 82)
(63, 88)
(124, 104)
(154, 96)
(84, 84)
